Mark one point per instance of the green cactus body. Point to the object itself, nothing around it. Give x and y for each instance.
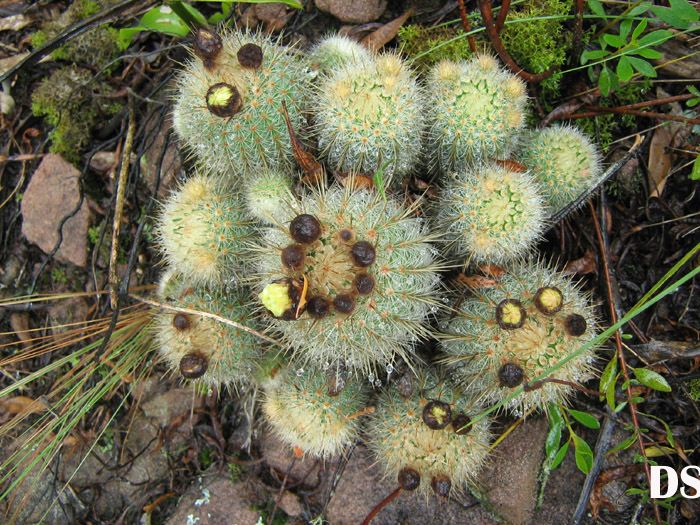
(510, 334)
(448, 455)
(204, 231)
(368, 114)
(229, 113)
(369, 276)
(268, 194)
(490, 214)
(476, 112)
(204, 349)
(564, 161)
(333, 52)
(306, 411)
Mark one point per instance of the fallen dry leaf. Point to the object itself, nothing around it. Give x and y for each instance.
(586, 264)
(14, 22)
(376, 40)
(474, 282)
(313, 169)
(18, 404)
(660, 161)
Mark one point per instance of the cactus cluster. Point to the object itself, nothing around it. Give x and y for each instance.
(348, 277)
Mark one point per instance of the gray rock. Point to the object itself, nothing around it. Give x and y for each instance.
(353, 12)
(51, 195)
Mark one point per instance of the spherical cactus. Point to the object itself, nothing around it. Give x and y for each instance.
(369, 114)
(268, 194)
(204, 231)
(564, 161)
(510, 334)
(476, 112)
(424, 438)
(353, 282)
(204, 349)
(490, 214)
(334, 51)
(228, 102)
(308, 410)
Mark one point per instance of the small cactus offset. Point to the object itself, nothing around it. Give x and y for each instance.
(490, 214)
(477, 111)
(564, 161)
(316, 411)
(350, 278)
(267, 195)
(512, 333)
(204, 349)
(204, 231)
(369, 114)
(423, 435)
(228, 104)
(334, 51)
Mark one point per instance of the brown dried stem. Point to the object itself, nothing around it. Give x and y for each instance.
(384, 502)
(465, 25)
(594, 111)
(492, 32)
(502, 14)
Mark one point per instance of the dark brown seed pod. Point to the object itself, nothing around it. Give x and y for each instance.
(193, 366)
(460, 424)
(293, 256)
(510, 314)
(181, 322)
(318, 307)
(345, 235)
(511, 375)
(363, 284)
(250, 55)
(441, 485)
(362, 253)
(575, 325)
(305, 228)
(549, 300)
(344, 303)
(409, 479)
(336, 377)
(207, 46)
(223, 100)
(437, 414)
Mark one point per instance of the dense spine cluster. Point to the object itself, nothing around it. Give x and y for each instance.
(510, 334)
(369, 114)
(228, 104)
(366, 271)
(477, 111)
(425, 438)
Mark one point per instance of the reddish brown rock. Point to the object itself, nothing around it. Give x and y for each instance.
(353, 12)
(51, 195)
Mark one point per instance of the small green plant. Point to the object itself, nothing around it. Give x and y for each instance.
(632, 47)
(432, 45)
(558, 417)
(58, 275)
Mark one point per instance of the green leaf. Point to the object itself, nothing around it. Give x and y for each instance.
(668, 15)
(605, 81)
(640, 9)
(625, 444)
(684, 9)
(583, 454)
(597, 8)
(634, 491)
(651, 54)
(594, 54)
(641, 26)
(625, 28)
(610, 393)
(655, 38)
(584, 418)
(164, 20)
(126, 35)
(624, 69)
(551, 443)
(614, 40)
(379, 179)
(619, 407)
(695, 173)
(560, 455)
(609, 374)
(644, 67)
(652, 379)
(291, 3)
(190, 15)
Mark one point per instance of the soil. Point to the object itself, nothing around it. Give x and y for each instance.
(151, 450)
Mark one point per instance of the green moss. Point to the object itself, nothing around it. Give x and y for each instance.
(439, 44)
(537, 45)
(66, 100)
(694, 385)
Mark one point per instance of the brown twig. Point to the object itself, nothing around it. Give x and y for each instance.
(502, 14)
(465, 25)
(578, 30)
(379, 507)
(487, 15)
(593, 111)
(620, 352)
